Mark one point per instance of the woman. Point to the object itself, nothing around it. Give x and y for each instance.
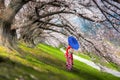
(73, 44)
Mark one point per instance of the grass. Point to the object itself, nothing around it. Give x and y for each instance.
(44, 63)
(103, 62)
(96, 59)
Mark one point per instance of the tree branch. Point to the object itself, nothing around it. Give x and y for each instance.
(52, 13)
(106, 16)
(109, 8)
(52, 24)
(118, 1)
(112, 4)
(51, 30)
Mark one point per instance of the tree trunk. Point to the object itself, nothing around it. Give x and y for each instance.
(8, 35)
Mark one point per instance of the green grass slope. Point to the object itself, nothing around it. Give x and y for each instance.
(44, 63)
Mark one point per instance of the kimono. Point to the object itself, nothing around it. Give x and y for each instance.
(73, 45)
(69, 58)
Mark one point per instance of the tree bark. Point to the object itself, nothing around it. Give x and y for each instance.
(118, 1)
(2, 4)
(7, 35)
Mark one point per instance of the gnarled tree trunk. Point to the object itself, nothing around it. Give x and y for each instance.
(7, 36)
(7, 15)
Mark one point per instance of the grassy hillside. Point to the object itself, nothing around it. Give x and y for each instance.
(44, 63)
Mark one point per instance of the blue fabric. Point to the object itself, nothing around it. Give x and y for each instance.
(72, 41)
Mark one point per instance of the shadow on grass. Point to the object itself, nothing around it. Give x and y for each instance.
(10, 70)
(84, 75)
